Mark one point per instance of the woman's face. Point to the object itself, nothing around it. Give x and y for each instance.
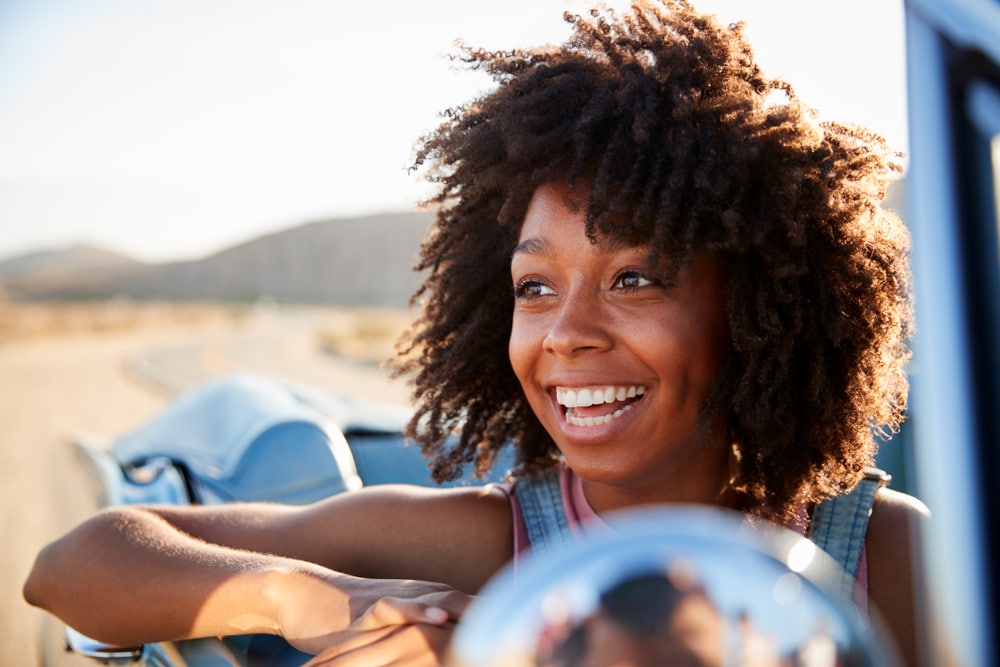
(615, 361)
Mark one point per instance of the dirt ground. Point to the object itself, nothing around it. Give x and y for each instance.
(56, 385)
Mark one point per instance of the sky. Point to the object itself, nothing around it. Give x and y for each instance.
(171, 129)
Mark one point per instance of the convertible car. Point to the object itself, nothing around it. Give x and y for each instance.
(251, 438)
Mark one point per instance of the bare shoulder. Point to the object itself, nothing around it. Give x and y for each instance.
(894, 564)
(894, 528)
(899, 505)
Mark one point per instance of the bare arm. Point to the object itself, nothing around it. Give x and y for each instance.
(895, 565)
(133, 575)
(459, 537)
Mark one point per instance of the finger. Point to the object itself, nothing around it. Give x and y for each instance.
(396, 611)
(345, 641)
(411, 646)
(453, 602)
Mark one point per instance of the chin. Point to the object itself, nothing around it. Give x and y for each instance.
(595, 469)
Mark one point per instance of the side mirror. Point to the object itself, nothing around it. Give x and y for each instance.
(678, 586)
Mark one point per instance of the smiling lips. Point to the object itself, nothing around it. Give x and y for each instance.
(617, 401)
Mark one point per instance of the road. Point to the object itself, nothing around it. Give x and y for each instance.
(55, 389)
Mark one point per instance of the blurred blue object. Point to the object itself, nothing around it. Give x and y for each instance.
(953, 67)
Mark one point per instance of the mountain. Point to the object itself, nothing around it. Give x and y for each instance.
(61, 261)
(351, 261)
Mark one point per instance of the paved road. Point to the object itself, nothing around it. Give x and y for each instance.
(53, 390)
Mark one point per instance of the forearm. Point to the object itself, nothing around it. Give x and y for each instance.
(127, 576)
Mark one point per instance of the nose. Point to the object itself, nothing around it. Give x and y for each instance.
(577, 325)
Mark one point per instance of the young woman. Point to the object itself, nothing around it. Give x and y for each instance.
(655, 274)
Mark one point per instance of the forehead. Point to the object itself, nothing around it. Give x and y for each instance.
(557, 215)
(552, 203)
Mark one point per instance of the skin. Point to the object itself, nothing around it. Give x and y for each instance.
(284, 570)
(592, 315)
(893, 544)
(586, 315)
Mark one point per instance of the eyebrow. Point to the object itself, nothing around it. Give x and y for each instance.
(536, 246)
(531, 247)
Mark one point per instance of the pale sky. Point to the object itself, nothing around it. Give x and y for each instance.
(170, 129)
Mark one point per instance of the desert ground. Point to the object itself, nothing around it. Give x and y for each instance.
(99, 370)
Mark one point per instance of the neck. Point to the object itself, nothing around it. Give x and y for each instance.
(704, 482)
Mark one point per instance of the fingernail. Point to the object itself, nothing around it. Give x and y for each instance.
(436, 614)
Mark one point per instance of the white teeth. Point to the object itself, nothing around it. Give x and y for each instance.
(566, 397)
(581, 398)
(597, 421)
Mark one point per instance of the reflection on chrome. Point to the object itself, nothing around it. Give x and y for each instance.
(681, 586)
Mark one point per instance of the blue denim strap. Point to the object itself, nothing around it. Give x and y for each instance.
(839, 525)
(542, 508)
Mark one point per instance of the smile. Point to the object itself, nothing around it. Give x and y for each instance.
(586, 397)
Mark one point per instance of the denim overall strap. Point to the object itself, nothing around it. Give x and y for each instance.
(542, 508)
(839, 525)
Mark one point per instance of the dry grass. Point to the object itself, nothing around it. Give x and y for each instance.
(364, 335)
(31, 320)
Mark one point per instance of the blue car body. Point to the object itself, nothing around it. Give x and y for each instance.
(245, 438)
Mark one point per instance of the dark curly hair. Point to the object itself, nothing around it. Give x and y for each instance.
(681, 142)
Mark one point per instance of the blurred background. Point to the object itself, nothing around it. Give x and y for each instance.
(166, 130)
(190, 188)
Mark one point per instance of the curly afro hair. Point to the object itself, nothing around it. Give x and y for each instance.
(682, 143)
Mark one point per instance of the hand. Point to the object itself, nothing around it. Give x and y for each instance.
(379, 610)
(416, 645)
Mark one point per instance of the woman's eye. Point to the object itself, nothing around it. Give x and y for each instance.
(528, 289)
(631, 280)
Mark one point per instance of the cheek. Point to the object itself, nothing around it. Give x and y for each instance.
(716, 341)
(706, 361)
(689, 352)
(526, 350)
(519, 349)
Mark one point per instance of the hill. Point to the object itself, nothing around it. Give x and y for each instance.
(61, 261)
(350, 261)
(346, 262)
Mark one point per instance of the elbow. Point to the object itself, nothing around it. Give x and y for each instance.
(37, 587)
(82, 577)
(60, 568)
